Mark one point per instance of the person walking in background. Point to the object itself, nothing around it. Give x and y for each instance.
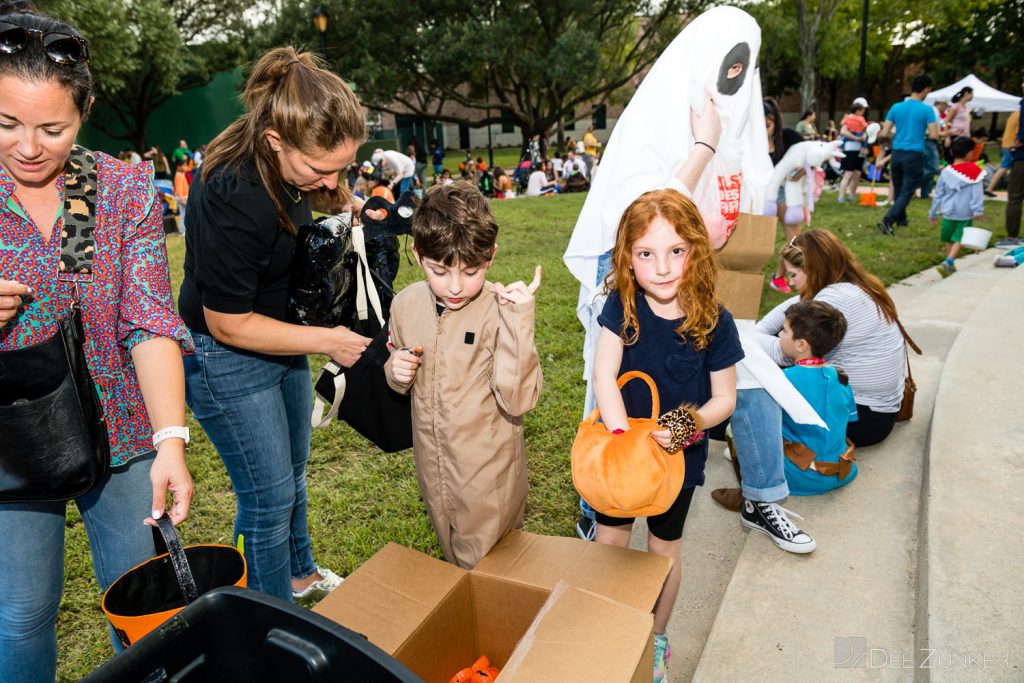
(249, 382)
(914, 120)
(437, 157)
(419, 155)
(851, 131)
(591, 145)
(959, 198)
(1006, 152)
(931, 152)
(1016, 191)
(958, 119)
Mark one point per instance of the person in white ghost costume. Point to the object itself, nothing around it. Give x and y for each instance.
(696, 124)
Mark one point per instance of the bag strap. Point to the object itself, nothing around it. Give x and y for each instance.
(907, 339)
(328, 390)
(167, 539)
(366, 291)
(78, 238)
(623, 379)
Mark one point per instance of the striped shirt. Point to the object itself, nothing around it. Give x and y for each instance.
(872, 353)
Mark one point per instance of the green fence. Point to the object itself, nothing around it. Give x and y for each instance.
(195, 115)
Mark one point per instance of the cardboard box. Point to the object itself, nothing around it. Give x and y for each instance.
(740, 293)
(540, 608)
(751, 244)
(740, 280)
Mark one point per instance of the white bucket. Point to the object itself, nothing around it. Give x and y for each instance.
(976, 238)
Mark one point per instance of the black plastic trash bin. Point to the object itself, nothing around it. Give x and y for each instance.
(233, 634)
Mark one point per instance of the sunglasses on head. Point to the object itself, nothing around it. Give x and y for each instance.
(793, 245)
(60, 48)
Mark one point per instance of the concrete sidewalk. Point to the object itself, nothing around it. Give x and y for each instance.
(917, 558)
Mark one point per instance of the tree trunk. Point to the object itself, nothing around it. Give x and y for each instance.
(807, 25)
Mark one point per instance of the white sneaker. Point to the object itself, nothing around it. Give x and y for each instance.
(319, 589)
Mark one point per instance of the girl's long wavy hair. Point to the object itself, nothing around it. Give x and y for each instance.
(696, 293)
(826, 260)
(311, 108)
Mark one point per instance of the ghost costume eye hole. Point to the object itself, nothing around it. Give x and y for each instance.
(733, 71)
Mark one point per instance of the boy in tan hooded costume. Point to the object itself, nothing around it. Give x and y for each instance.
(464, 348)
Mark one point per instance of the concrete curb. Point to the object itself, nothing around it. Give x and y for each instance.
(971, 603)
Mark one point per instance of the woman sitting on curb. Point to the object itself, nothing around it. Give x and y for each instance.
(872, 351)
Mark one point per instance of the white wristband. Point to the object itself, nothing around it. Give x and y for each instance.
(170, 433)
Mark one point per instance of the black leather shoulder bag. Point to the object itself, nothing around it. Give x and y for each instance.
(53, 438)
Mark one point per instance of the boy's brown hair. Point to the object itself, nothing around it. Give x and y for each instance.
(819, 324)
(454, 224)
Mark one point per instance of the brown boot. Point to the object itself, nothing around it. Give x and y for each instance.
(730, 499)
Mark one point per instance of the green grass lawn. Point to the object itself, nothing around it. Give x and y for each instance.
(361, 499)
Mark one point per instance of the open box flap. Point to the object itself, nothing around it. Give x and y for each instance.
(613, 653)
(410, 583)
(631, 577)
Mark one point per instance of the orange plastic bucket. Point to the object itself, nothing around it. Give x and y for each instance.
(149, 594)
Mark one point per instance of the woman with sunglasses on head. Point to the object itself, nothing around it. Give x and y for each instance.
(249, 381)
(133, 339)
(872, 352)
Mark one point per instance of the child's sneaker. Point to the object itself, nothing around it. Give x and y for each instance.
(586, 528)
(779, 284)
(772, 519)
(945, 269)
(662, 651)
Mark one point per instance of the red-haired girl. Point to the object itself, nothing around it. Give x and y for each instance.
(662, 318)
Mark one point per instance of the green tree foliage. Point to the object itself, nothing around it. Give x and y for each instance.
(947, 39)
(534, 62)
(988, 41)
(146, 51)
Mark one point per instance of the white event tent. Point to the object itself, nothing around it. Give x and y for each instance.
(986, 97)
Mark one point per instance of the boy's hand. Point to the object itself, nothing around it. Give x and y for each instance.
(932, 220)
(405, 362)
(980, 217)
(518, 292)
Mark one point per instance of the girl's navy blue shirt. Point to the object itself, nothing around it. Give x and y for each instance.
(681, 373)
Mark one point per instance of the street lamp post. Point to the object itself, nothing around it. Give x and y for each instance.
(863, 51)
(487, 94)
(320, 18)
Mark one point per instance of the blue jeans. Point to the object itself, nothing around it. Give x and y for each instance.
(32, 563)
(404, 185)
(906, 168)
(757, 435)
(604, 264)
(256, 410)
(931, 167)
